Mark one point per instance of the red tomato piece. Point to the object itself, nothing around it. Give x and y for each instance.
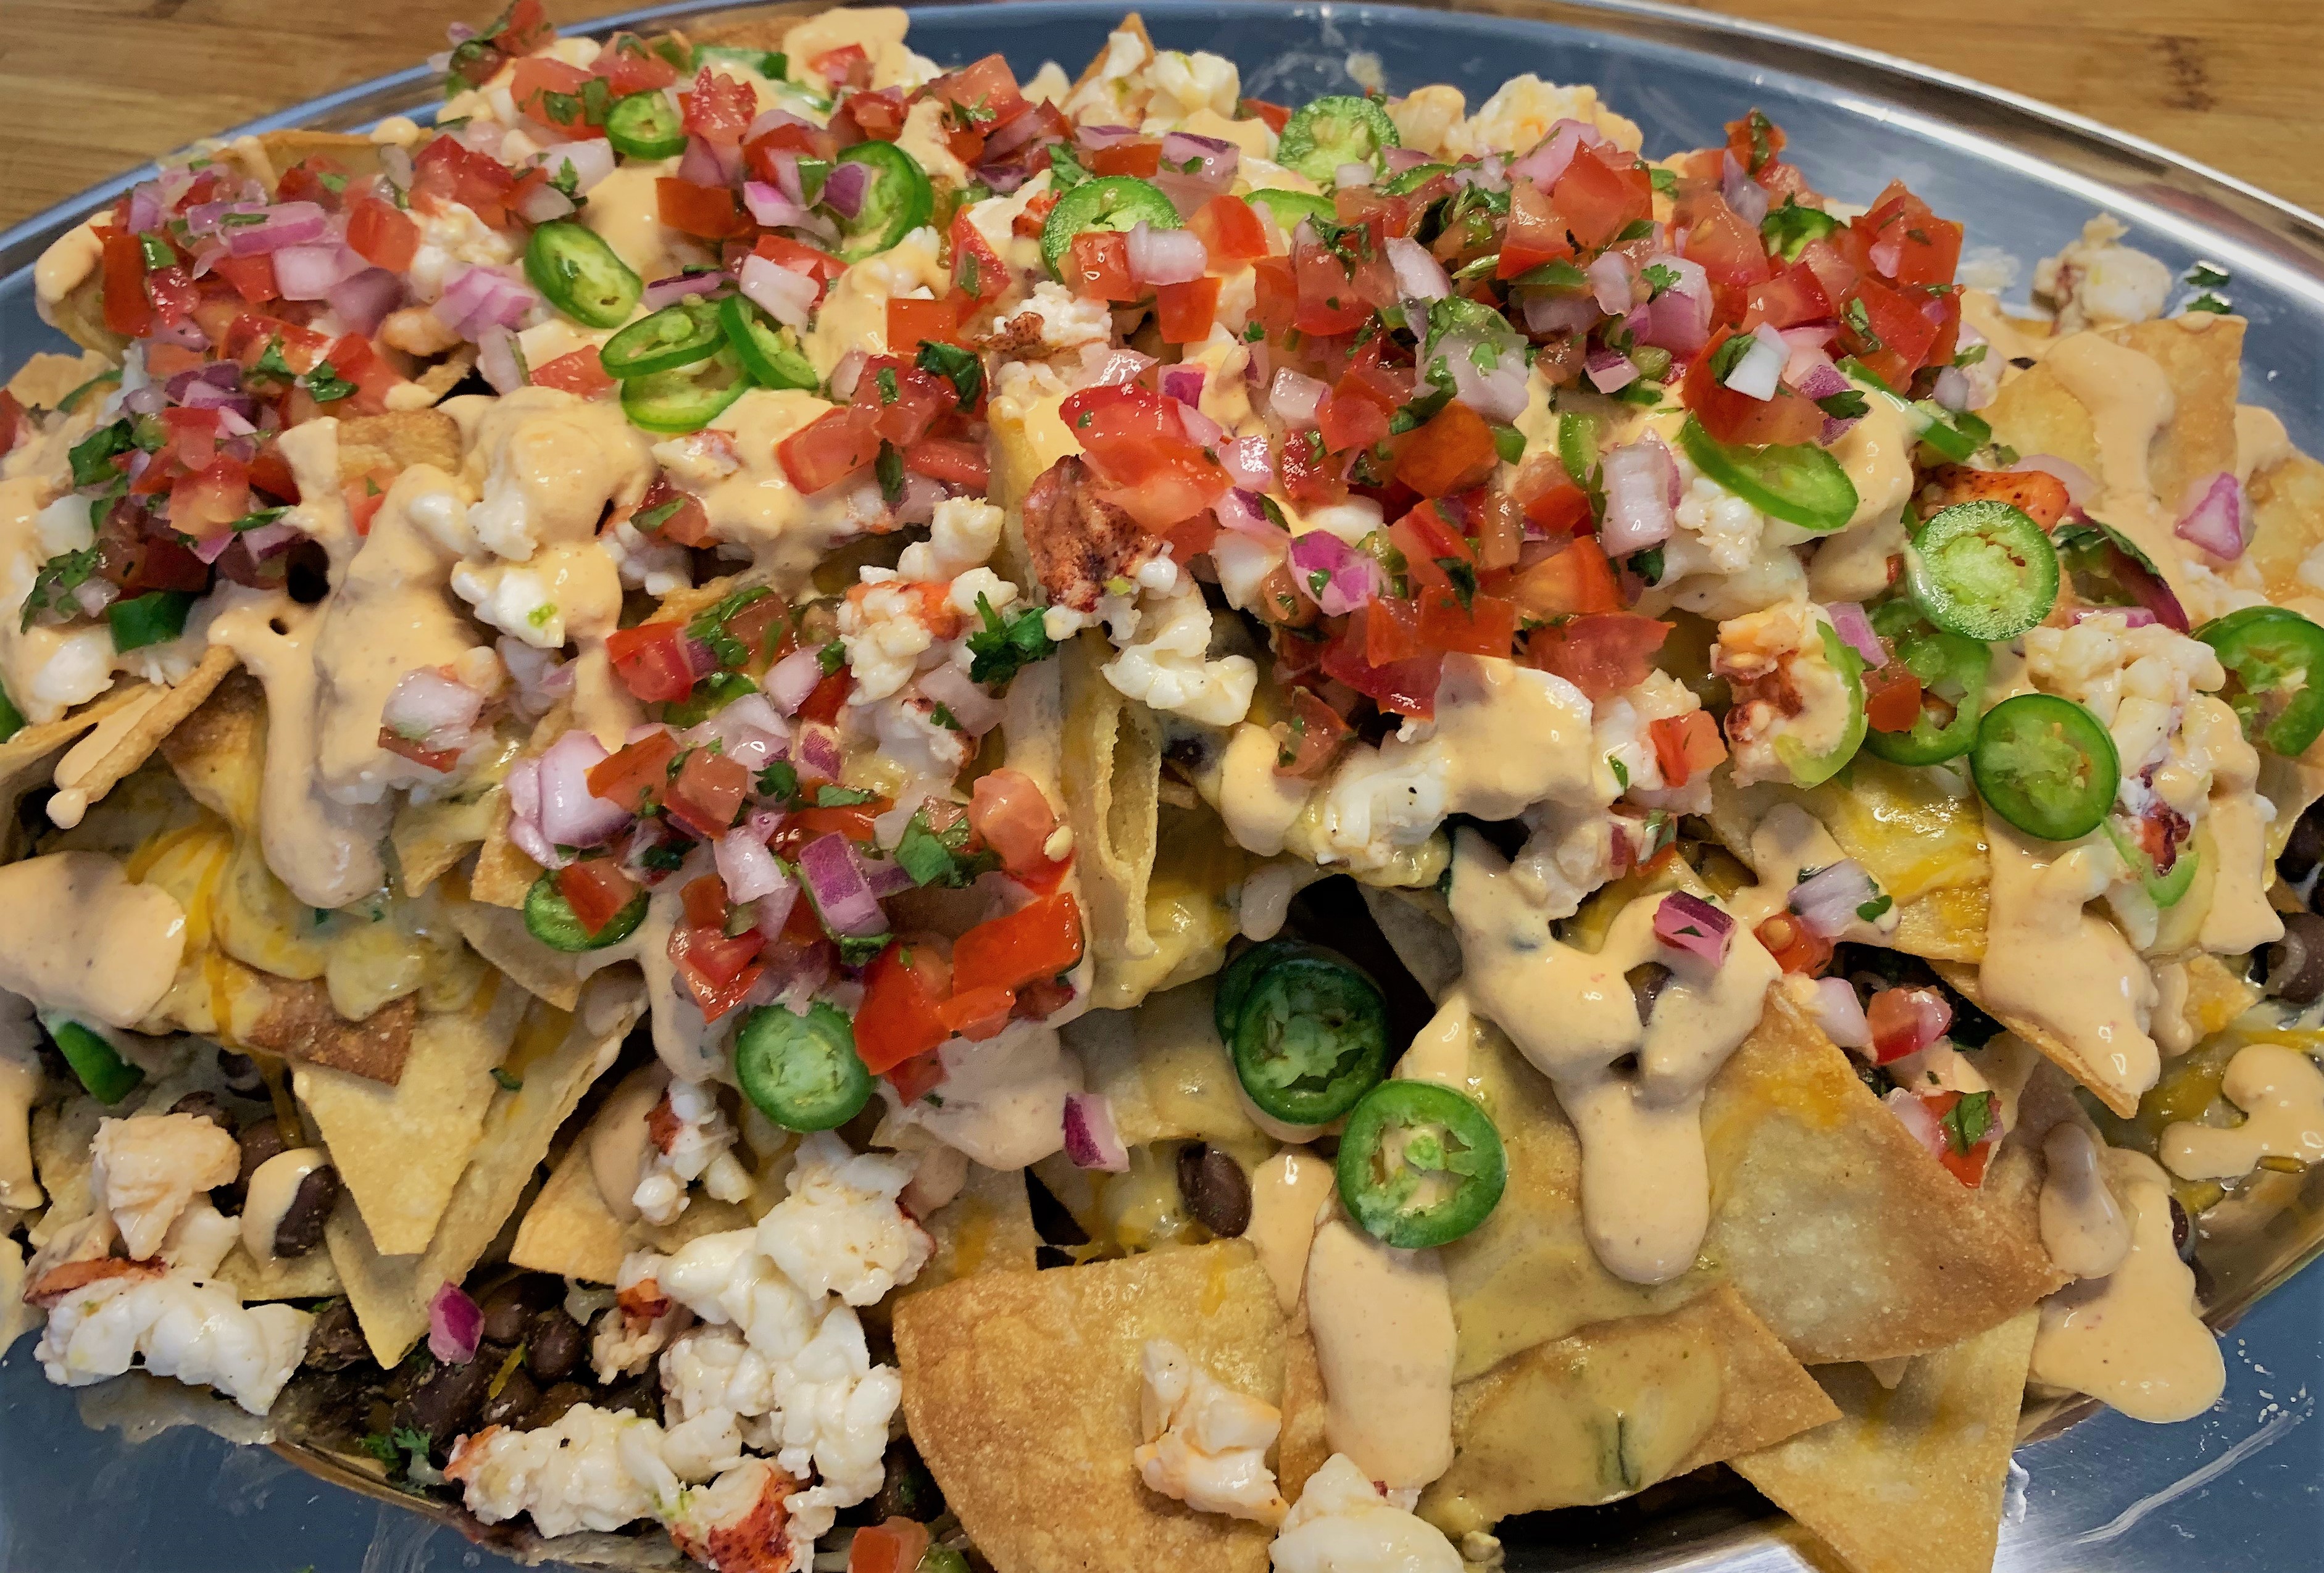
(1795, 947)
(708, 793)
(1887, 330)
(799, 258)
(1790, 298)
(1347, 422)
(1097, 267)
(898, 1545)
(580, 373)
(984, 93)
(364, 494)
(381, 236)
(1009, 811)
(978, 1014)
(1405, 684)
(1142, 158)
(1892, 698)
(1738, 418)
(709, 212)
(1136, 440)
(1534, 234)
(596, 891)
(651, 660)
(1312, 738)
(1454, 449)
(1905, 242)
(1904, 1021)
(977, 270)
(837, 444)
(951, 460)
(844, 66)
(1329, 300)
(1039, 941)
(205, 501)
(127, 311)
(446, 171)
(252, 278)
(1230, 232)
(719, 971)
(898, 1019)
(1183, 313)
(636, 775)
(547, 92)
(628, 65)
(912, 323)
(1685, 745)
(870, 116)
(1485, 625)
(1600, 653)
(718, 108)
(1597, 201)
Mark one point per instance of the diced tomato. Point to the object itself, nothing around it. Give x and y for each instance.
(446, 171)
(1967, 1167)
(1906, 242)
(977, 1014)
(837, 444)
(579, 373)
(704, 901)
(898, 1019)
(650, 659)
(214, 496)
(252, 278)
(164, 564)
(1405, 683)
(127, 310)
(1453, 450)
(1097, 268)
(1886, 330)
(1600, 653)
(1029, 222)
(977, 270)
(547, 92)
(164, 361)
(811, 141)
(710, 212)
(1498, 526)
(1183, 313)
(904, 400)
(898, 1545)
(630, 65)
(1729, 251)
(852, 821)
(685, 524)
(1329, 300)
(1790, 298)
(1904, 1021)
(355, 360)
(952, 461)
(912, 323)
(823, 703)
(382, 236)
(1892, 698)
(1738, 418)
(304, 182)
(870, 116)
(1009, 811)
(1552, 504)
(596, 891)
(364, 494)
(799, 258)
(1040, 940)
(708, 793)
(985, 93)
(1229, 231)
(719, 971)
(1142, 158)
(637, 775)
(1484, 625)
(524, 28)
(1276, 115)
(1686, 746)
(1137, 442)
(844, 66)
(441, 761)
(1795, 947)
(12, 421)
(718, 108)
(1534, 234)
(916, 1077)
(1350, 422)
(1596, 200)
(1312, 738)
(1311, 477)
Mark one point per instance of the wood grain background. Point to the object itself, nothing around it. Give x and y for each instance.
(94, 86)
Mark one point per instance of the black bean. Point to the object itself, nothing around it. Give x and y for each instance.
(1214, 1188)
(640, 1394)
(2305, 850)
(553, 1404)
(443, 1405)
(242, 1073)
(204, 1106)
(554, 1345)
(506, 1315)
(2295, 963)
(336, 1340)
(302, 1228)
(2183, 1231)
(516, 1398)
(260, 1140)
(1647, 980)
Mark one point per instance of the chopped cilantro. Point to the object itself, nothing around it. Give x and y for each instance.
(1621, 771)
(657, 516)
(1463, 574)
(1659, 277)
(58, 578)
(508, 1083)
(939, 857)
(709, 625)
(92, 457)
(831, 658)
(1861, 321)
(842, 796)
(1873, 910)
(1973, 355)
(957, 366)
(1003, 646)
(1967, 1122)
(1787, 230)
(858, 950)
(1664, 180)
(889, 468)
(779, 783)
(1844, 405)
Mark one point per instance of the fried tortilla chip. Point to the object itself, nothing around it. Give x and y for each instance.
(126, 738)
(300, 1024)
(504, 873)
(1838, 1229)
(498, 934)
(1419, 929)
(1112, 763)
(398, 440)
(2287, 523)
(1966, 981)
(1304, 1445)
(401, 1149)
(570, 1232)
(1194, 895)
(1909, 1480)
(1165, 1072)
(1133, 25)
(988, 1228)
(2201, 356)
(24, 756)
(1920, 832)
(555, 1059)
(1614, 1408)
(44, 381)
(433, 837)
(1021, 1389)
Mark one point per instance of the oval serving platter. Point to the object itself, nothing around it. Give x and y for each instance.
(125, 1475)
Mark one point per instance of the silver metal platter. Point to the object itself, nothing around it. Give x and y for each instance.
(91, 1480)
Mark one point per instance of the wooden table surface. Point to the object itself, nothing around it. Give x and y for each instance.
(94, 86)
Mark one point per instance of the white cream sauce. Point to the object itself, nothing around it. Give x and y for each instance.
(69, 261)
(78, 939)
(2281, 1094)
(2133, 1340)
(1287, 1193)
(2084, 1228)
(1646, 1194)
(1382, 1321)
(71, 799)
(20, 1084)
(274, 1187)
(617, 1140)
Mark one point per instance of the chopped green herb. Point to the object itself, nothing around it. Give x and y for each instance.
(1967, 1122)
(957, 366)
(1621, 771)
(508, 1083)
(889, 468)
(1004, 645)
(842, 796)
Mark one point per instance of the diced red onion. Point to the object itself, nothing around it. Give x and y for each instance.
(1688, 923)
(1294, 396)
(543, 205)
(1679, 320)
(1758, 370)
(2080, 487)
(269, 538)
(1184, 383)
(1913, 1113)
(431, 708)
(791, 680)
(846, 375)
(749, 869)
(1399, 159)
(1351, 577)
(1854, 630)
(456, 1325)
(772, 119)
(817, 752)
(1952, 389)
(2214, 519)
(977, 711)
(1610, 275)
(146, 400)
(1747, 197)
(678, 286)
(842, 894)
(1840, 1013)
(1091, 1141)
(1497, 395)
(209, 217)
(1550, 156)
(1419, 276)
(209, 548)
(480, 298)
(568, 816)
(700, 657)
(1809, 369)
(1240, 510)
(1885, 256)
(707, 163)
(94, 595)
(1165, 256)
(591, 159)
(1201, 429)
(1550, 311)
(1248, 463)
(845, 188)
(1094, 137)
(775, 907)
(2131, 616)
(1106, 366)
(1007, 139)
(1352, 174)
(145, 206)
(1215, 160)
(1637, 477)
(787, 297)
(364, 299)
(768, 206)
(310, 272)
(917, 502)
(1826, 901)
(1610, 370)
(287, 224)
(232, 423)
(496, 359)
(2150, 592)
(884, 876)
(1926, 1015)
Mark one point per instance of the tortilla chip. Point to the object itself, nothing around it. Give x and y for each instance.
(309, 1277)
(81, 317)
(1923, 841)
(1615, 1408)
(570, 1232)
(444, 375)
(126, 739)
(2287, 517)
(2201, 357)
(45, 380)
(300, 1024)
(398, 440)
(1192, 908)
(401, 1149)
(1133, 23)
(1838, 1229)
(498, 933)
(504, 873)
(988, 1228)
(1967, 982)
(1418, 928)
(1164, 1071)
(556, 1059)
(1909, 1481)
(1021, 1389)
(1303, 1447)
(24, 756)
(1112, 763)
(431, 838)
